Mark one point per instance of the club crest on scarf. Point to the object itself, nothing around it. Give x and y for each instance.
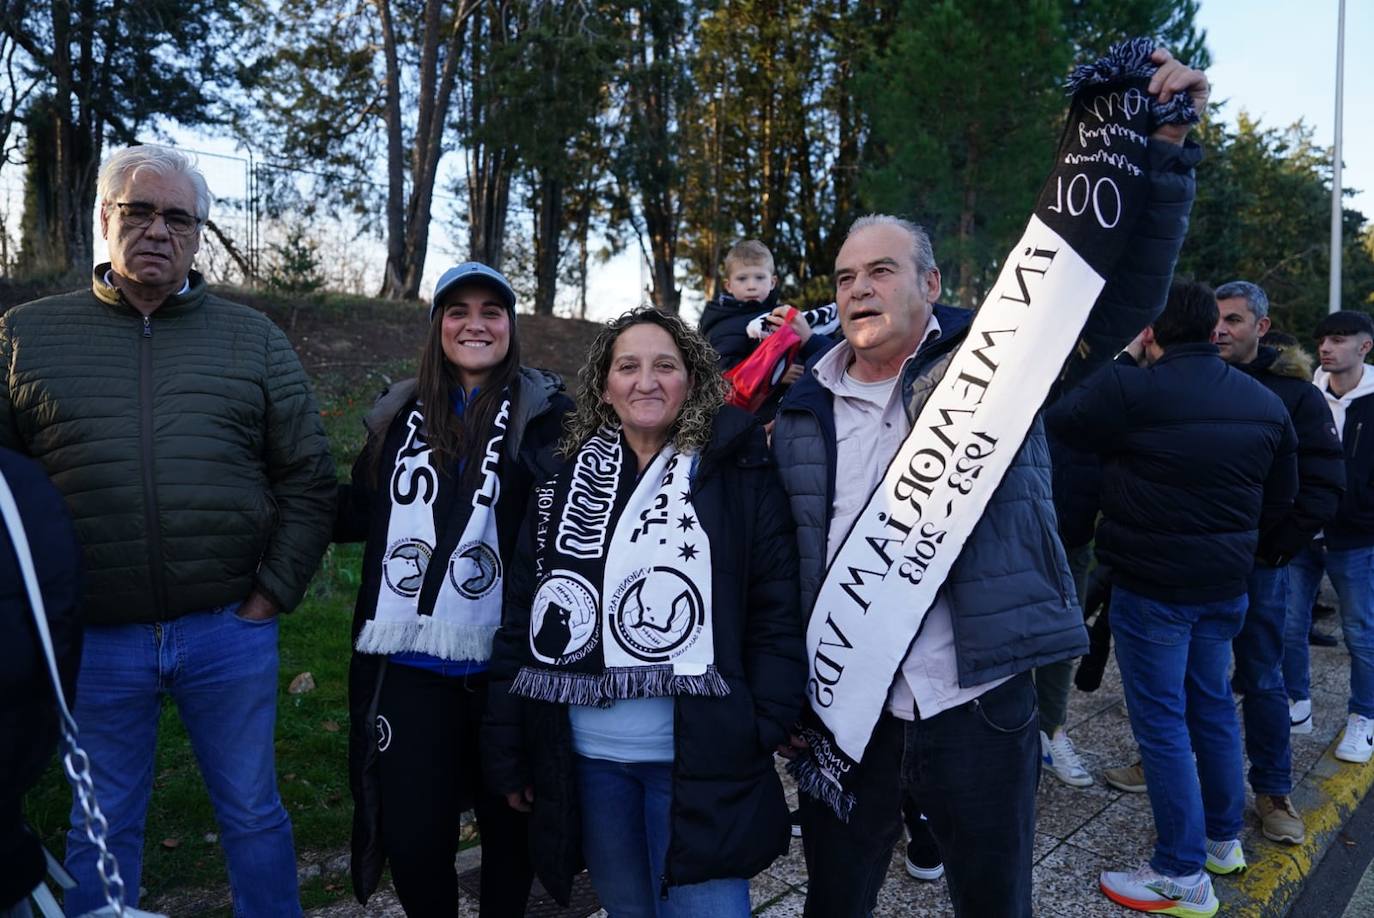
(458, 620)
(623, 604)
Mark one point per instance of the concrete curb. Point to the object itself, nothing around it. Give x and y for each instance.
(1326, 798)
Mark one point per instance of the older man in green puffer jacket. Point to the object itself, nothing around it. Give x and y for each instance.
(182, 433)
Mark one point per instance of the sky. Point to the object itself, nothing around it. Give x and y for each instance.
(1266, 60)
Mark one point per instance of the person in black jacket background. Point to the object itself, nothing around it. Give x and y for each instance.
(1346, 550)
(1244, 310)
(638, 722)
(28, 708)
(438, 493)
(1199, 460)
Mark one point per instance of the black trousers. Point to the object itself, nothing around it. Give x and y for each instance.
(430, 772)
(972, 771)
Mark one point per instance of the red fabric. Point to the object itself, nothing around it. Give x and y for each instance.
(752, 380)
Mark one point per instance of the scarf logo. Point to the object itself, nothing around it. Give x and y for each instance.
(591, 498)
(474, 569)
(656, 614)
(563, 619)
(383, 733)
(404, 565)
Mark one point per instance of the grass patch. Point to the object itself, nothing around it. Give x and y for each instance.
(312, 729)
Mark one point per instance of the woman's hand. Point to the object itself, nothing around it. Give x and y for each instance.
(521, 800)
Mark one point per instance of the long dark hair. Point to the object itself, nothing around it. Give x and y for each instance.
(454, 438)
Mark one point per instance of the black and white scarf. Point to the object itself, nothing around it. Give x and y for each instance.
(466, 611)
(623, 603)
(885, 576)
(823, 320)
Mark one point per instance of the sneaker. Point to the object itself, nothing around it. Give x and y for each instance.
(1062, 759)
(1300, 716)
(923, 862)
(1321, 639)
(1225, 856)
(1278, 819)
(1130, 778)
(1147, 891)
(1358, 742)
(796, 823)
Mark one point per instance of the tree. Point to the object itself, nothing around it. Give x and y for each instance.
(331, 100)
(106, 73)
(295, 266)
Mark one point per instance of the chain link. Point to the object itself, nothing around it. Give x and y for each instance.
(78, 768)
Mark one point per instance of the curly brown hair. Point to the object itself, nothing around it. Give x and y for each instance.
(705, 395)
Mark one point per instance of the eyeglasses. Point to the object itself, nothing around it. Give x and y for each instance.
(140, 216)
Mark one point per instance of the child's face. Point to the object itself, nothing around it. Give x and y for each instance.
(750, 282)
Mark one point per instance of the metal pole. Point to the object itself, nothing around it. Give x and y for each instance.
(1335, 296)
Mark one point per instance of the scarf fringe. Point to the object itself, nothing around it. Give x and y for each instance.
(1126, 60)
(446, 640)
(602, 689)
(814, 783)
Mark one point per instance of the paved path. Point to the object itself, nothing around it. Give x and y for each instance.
(1081, 832)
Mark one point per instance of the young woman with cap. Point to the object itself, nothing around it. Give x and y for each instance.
(438, 493)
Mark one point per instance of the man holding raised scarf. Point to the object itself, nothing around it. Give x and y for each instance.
(931, 568)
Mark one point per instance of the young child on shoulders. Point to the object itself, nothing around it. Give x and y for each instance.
(746, 311)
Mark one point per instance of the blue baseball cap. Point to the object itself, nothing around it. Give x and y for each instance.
(472, 272)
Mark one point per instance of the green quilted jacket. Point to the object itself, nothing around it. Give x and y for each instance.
(187, 445)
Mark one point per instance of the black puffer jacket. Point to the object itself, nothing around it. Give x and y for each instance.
(28, 708)
(532, 434)
(729, 816)
(1353, 526)
(1198, 460)
(1321, 465)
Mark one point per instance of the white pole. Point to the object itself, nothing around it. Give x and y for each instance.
(1335, 295)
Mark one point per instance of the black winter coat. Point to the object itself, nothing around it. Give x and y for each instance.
(28, 709)
(531, 437)
(1353, 526)
(1198, 460)
(729, 816)
(1321, 465)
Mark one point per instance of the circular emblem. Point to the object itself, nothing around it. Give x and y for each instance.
(563, 619)
(656, 614)
(383, 733)
(474, 569)
(403, 566)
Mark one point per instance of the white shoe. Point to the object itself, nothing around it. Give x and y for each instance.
(1062, 759)
(1300, 716)
(1225, 856)
(1358, 742)
(1147, 891)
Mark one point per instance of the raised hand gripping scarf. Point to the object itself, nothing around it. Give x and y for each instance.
(623, 603)
(885, 576)
(466, 610)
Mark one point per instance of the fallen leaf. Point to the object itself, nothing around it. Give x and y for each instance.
(330, 726)
(170, 843)
(302, 684)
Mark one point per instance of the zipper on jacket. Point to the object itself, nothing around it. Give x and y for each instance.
(145, 455)
(1355, 446)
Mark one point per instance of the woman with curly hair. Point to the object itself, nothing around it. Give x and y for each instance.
(650, 657)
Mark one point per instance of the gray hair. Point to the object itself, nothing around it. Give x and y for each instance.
(1253, 294)
(121, 167)
(921, 252)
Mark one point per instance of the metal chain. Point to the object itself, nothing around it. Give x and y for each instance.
(78, 768)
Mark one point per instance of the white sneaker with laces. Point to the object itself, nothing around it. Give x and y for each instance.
(1300, 716)
(1145, 890)
(1062, 759)
(1225, 856)
(1357, 745)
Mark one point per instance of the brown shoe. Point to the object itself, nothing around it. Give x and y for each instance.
(1280, 822)
(1128, 778)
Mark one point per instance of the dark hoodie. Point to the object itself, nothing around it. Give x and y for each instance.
(1287, 373)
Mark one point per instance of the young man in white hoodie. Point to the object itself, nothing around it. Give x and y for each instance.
(1345, 548)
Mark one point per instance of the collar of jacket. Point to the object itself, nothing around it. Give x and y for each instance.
(176, 304)
(1291, 361)
(1190, 349)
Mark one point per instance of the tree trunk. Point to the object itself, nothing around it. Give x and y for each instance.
(393, 278)
(548, 232)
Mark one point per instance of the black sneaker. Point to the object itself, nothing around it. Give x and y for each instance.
(1320, 639)
(796, 823)
(923, 861)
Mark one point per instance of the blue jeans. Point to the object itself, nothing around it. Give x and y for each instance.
(625, 826)
(1174, 660)
(1259, 650)
(1352, 574)
(221, 671)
